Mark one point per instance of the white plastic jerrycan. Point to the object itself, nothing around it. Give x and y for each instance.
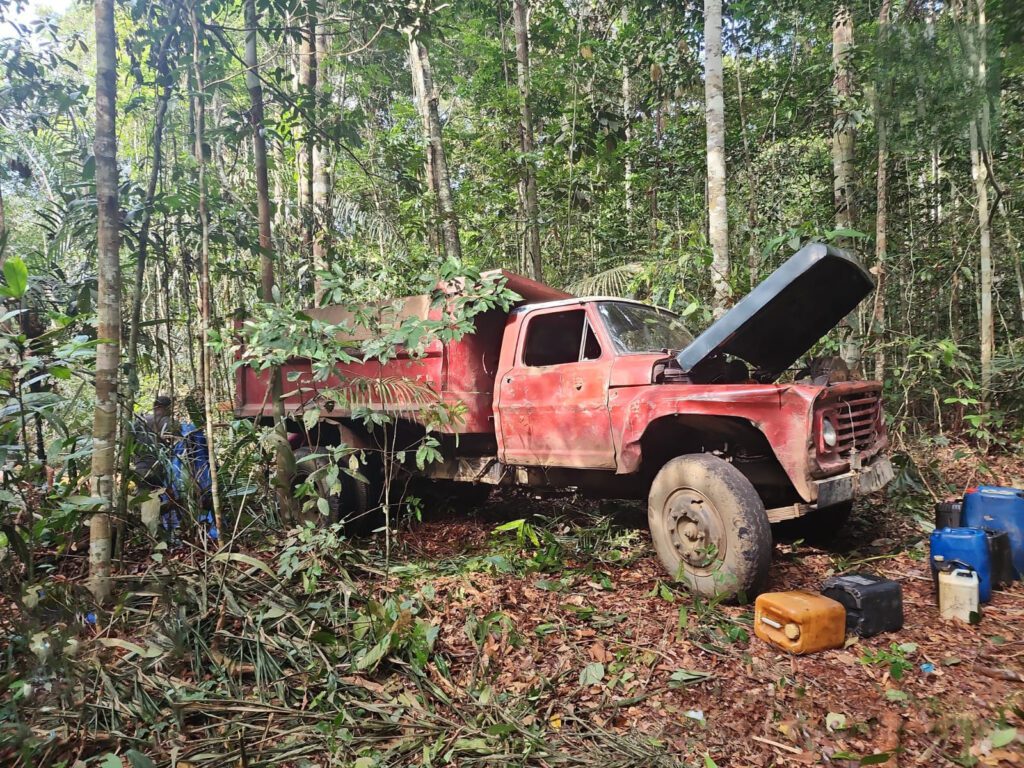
(958, 594)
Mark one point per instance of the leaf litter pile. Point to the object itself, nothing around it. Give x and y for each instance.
(494, 639)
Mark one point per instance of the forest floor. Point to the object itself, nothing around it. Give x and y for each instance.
(531, 632)
(689, 675)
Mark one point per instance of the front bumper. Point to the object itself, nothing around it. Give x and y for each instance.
(860, 482)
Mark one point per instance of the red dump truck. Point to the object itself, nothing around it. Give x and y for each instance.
(615, 399)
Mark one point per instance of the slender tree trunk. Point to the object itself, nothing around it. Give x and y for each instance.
(322, 218)
(987, 321)
(528, 182)
(307, 97)
(205, 311)
(718, 218)
(882, 199)
(654, 186)
(281, 200)
(980, 143)
(108, 307)
(843, 137)
(627, 120)
(1013, 245)
(166, 292)
(753, 257)
(420, 64)
(3, 225)
(285, 457)
(434, 223)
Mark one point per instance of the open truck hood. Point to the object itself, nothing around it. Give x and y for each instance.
(784, 316)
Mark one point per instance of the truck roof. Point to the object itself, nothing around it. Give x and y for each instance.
(581, 300)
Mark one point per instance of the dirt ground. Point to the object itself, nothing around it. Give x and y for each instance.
(692, 677)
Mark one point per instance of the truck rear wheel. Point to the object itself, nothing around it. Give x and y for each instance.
(709, 527)
(348, 506)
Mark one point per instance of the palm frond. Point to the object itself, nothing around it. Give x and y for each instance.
(619, 281)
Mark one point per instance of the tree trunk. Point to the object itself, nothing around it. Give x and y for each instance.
(718, 219)
(434, 219)
(1013, 245)
(322, 218)
(528, 181)
(108, 305)
(285, 457)
(882, 202)
(980, 143)
(307, 96)
(3, 226)
(753, 257)
(843, 188)
(419, 59)
(144, 228)
(654, 186)
(627, 120)
(205, 312)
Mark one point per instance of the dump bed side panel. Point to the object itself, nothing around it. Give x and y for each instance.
(461, 373)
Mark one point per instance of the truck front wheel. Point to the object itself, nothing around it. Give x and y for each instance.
(709, 527)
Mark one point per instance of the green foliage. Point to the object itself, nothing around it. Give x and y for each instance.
(896, 658)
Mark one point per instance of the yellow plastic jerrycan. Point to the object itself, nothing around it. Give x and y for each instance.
(800, 622)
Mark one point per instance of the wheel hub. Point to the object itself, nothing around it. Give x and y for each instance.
(696, 529)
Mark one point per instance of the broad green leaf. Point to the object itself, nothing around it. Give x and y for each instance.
(16, 277)
(1002, 736)
(370, 659)
(240, 557)
(149, 652)
(682, 677)
(592, 674)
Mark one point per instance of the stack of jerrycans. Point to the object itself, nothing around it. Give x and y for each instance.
(804, 622)
(978, 546)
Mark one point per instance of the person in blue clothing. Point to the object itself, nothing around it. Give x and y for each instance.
(191, 473)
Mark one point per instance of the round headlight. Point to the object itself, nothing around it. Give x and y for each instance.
(828, 433)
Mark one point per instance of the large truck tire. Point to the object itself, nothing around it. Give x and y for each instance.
(709, 527)
(349, 506)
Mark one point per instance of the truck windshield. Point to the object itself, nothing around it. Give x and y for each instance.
(638, 328)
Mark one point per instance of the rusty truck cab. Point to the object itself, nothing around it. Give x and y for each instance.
(621, 387)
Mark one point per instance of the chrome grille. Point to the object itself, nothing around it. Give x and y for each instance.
(856, 417)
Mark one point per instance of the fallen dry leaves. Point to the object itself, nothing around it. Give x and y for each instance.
(694, 679)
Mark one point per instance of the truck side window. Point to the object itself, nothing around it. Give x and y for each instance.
(591, 346)
(554, 339)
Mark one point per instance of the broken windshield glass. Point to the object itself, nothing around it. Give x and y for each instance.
(636, 328)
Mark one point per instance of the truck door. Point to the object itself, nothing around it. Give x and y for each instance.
(553, 401)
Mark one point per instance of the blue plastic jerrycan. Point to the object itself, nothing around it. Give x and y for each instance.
(968, 547)
(999, 509)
